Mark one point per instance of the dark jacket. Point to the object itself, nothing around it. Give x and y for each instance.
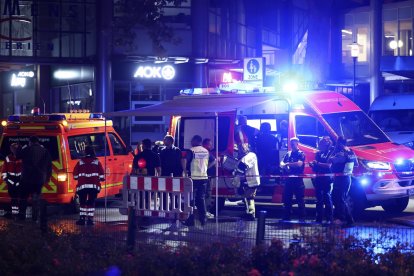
(37, 166)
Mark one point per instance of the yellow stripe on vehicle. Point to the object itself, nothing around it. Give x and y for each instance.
(3, 187)
(49, 188)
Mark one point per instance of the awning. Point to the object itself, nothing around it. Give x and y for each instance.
(197, 105)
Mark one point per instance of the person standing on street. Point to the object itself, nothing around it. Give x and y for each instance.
(146, 162)
(197, 158)
(343, 161)
(11, 173)
(323, 184)
(170, 157)
(89, 173)
(36, 171)
(211, 172)
(249, 179)
(267, 147)
(294, 164)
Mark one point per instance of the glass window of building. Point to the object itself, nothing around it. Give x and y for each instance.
(47, 28)
(397, 29)
(405, 42)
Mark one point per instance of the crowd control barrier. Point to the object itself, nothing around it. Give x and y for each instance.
(162, 197)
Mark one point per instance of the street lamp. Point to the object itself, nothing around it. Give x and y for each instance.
(354, 53)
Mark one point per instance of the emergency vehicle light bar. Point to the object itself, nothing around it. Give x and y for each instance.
(39, 118)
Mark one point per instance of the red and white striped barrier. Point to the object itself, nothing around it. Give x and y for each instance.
(163, 197)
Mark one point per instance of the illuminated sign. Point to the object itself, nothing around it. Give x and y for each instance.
(227, 77)
(25, 74)
(253, 69)
(17, 81)
(166, 72)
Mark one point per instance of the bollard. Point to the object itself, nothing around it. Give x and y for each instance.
(132, 227)
(261, 224)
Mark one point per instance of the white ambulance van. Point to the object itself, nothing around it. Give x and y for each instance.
(394, 114)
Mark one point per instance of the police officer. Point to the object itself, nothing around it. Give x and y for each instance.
(343, 160)
(293, 164)
(197, 158)
(250, 179)
(11, 173)
(170, 157)
(89, 173)
(323, 184)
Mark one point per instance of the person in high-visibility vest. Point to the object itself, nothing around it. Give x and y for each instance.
(89, 173)
(197, 158)
(248, 179)
(11, 173)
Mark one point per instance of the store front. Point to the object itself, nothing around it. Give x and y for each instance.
(138, 85)
(18, 91)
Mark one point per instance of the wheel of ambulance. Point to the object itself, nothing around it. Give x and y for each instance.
(395, 205)
(221, 202)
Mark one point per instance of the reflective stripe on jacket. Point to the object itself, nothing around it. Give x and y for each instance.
(12, 170)
(88, 172)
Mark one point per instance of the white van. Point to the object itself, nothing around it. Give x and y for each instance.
(394, 114)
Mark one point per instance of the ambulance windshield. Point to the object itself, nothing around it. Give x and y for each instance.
(356, 127)
(48, 142)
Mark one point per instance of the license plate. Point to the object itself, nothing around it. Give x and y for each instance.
(410, 192)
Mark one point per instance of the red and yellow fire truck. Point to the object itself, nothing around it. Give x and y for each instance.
(65, 136)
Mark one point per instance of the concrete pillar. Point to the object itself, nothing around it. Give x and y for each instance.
(103, 92)
(376, 80)
(199, 23)
(42, 89)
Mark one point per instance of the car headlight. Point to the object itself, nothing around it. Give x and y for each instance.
(376, 165)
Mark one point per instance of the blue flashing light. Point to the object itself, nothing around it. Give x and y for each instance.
(96, 116)
(14, 118)
(57, 117)
(364, 182)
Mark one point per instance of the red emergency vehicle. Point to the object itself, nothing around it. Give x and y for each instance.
(383, 177)
(65, 136)
(385, 173)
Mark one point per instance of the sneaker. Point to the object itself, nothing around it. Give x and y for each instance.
(80, 222)
(209, 215)
(90, 222)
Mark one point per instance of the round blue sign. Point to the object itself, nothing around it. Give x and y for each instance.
(253, 66)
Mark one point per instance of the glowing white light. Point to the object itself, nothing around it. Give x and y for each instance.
(364, 181)
(66, 74)
(399, 161)
(166, 72)
(16, 81)
(24, 74)
(290, 87)
(396, 44)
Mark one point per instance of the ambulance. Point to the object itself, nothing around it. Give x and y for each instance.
(385, 172)
(65, 136)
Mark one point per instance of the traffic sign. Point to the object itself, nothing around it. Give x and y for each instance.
(253, 69)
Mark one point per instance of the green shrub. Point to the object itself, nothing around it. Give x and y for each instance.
(25, 251)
